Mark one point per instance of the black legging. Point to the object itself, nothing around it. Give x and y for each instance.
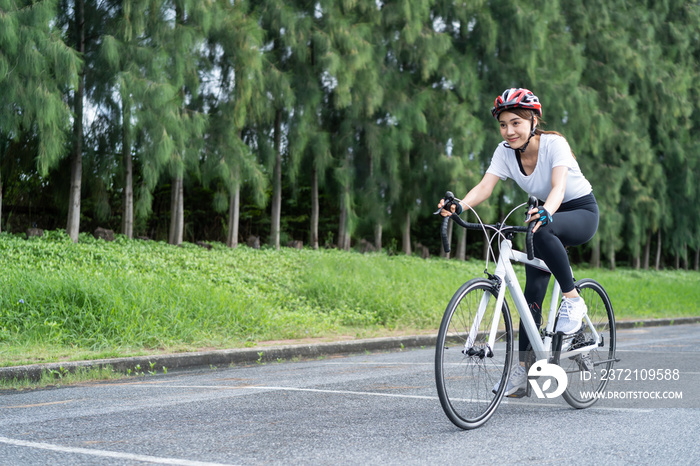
(573, 224)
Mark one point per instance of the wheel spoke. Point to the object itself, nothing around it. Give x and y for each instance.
(467, 373)
(585, 371)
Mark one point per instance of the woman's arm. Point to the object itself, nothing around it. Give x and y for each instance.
(480, 192)
(476, 195)
(556, 195)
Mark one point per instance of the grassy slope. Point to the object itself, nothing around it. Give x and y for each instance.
(60, 300)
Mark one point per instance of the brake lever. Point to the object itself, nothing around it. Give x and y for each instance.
(449, 200)
(532, 202)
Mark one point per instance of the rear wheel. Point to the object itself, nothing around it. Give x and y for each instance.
(586, 372)
(466, 368)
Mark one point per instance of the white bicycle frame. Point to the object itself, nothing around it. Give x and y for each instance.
(506, 274)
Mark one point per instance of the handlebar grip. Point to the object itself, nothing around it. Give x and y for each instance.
(531, 202)
(449, 199)
(443, 233)
(529, 243)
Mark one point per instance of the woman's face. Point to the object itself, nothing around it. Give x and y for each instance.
(515, 130)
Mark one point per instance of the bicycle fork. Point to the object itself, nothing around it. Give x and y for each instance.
(474, 330)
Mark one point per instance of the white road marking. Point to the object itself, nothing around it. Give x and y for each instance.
(395, 395)
(105, 454)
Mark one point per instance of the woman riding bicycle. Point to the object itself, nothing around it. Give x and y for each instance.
(542, 164)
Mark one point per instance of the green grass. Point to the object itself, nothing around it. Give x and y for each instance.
(639, 294)
(61, 301)
(60, 377)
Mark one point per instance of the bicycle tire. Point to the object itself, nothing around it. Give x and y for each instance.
(584, 385)
(465, 381)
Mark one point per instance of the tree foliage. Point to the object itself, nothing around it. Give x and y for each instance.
(342, 123)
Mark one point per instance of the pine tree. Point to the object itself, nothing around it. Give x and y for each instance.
(35, 65)
(124, 58)
(279, 20)
(356, 95)
(77, 33)
(83, 24)
(669, 89)
(460, 107)
(422, 113)
(309, 141)
(617, 140)
(178, 29)
(235, 77)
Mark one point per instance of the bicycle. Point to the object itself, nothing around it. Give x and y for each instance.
(474, 348)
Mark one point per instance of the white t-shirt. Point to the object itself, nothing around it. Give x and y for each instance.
(554, 151)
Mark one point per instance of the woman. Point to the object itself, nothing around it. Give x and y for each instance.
(542, 164)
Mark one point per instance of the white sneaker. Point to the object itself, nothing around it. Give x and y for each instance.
(517, 381)
(571, 313)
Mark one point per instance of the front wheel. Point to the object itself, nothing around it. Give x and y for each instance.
(467, 369)
(586, 372)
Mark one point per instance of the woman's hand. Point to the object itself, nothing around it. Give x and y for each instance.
(452, 209)
(539, 215)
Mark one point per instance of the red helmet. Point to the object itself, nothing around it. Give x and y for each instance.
(516, 98)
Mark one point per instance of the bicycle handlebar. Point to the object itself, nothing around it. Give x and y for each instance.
(450, 199)
(531, 203)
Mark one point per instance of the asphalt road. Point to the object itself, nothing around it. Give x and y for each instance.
(373, 408)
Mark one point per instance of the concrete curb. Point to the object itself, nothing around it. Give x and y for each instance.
(242, 356)
(218, 358)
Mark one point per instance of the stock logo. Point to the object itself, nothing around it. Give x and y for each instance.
(546, 372)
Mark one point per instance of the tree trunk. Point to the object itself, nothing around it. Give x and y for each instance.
(611, 256)
(378, 229)
(342, 219)
(76, 170)
(461, 254)
(276, 185)
(344, 228)
(407, 235)
(173, 216)
(684, 256)
(234, 207)
(128, 215)
(647, 250)
(657, 266)
(314, 208)
(177, 212)
(76, 173)
(696, 267)
(181, 211)
(344, 223)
